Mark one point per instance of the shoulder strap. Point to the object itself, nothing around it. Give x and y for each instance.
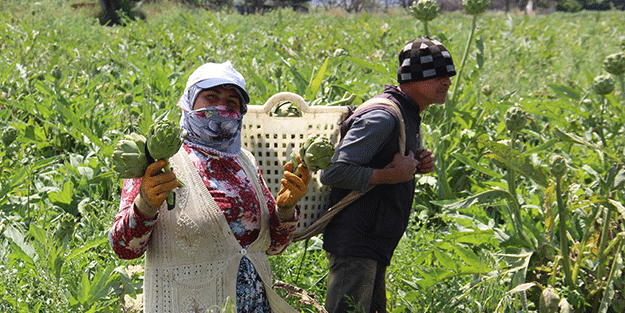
(378, 104)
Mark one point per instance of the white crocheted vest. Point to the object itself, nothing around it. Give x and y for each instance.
(193, 258)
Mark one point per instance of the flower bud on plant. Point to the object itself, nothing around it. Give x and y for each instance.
(9, 134)
(285, 109)
(515, 119)
(487, 90)
(128, 98)
(603, 84)
(557, 166)
(163, 140)
(56, 72)
(425, 10)
(475, 7)
(615, 63)
(316, 154)
(129, 157)
(548, 302)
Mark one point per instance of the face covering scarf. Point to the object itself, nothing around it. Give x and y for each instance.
(215, 128)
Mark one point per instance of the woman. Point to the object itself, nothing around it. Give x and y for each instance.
(213, 244)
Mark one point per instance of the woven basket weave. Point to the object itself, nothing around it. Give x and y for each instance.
(272, 139)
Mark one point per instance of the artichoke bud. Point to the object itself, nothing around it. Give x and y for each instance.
(557, 166)
(615, 63)
(285, 109)
(515, 119)
(603, 84)
(128, 98)
(316, 153)
(475, 7)
(425, 10)
(163, 140)
(9, 134)
(56, 73)
(548, 302)
(487, 90)
(129, 157)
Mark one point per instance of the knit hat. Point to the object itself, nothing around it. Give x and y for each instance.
(424, 58)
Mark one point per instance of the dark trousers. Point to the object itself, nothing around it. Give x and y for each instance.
(355, 285)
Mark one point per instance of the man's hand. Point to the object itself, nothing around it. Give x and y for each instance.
(426, 163)
(155, 187)
(293, 189)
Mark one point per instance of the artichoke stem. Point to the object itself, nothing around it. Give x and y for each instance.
(564, 242)
(294, 162)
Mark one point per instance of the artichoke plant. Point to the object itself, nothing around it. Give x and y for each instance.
(475, 7)
(515, 119)
(164, 139)
(129, 157)
(285, 109)
(487, 90)
(425, 10)
(316, 154)
(9, 134)
(603, 84)
(557, 166)
(615, 63)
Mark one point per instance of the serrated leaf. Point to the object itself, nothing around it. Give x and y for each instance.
(515, 160)
(476, 166)
(482, 198)
(315, 83)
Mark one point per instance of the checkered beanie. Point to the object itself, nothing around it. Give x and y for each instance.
(424, 58)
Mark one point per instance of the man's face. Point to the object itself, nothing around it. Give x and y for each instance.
(433, 90)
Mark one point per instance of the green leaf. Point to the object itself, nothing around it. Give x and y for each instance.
(476, 166)
(64, 196)
(617, 266)
(572, 138)
(482, 198)
(567, 91)
(472, 259)
(315, 83)
(515, 160)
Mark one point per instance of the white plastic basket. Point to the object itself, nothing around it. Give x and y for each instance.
(272, 139)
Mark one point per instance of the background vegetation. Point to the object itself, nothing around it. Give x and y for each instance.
(492, 231)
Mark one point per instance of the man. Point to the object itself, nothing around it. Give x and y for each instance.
(360, 240)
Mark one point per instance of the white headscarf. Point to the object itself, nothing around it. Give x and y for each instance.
(216, 128)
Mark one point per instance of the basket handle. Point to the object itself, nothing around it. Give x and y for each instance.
(285, 96)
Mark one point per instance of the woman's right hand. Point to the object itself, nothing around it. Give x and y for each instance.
(155, 186)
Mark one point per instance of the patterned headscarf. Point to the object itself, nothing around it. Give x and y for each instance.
(214, 128)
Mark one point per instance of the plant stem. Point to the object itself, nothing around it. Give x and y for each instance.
(564, 242)
(452, 99)
(604, 242)
(600, 127)
(426, 30)
(621, 79)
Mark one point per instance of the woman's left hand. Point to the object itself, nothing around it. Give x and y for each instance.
(293, 187)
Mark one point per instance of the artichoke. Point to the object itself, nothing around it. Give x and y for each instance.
(285, 109)
(425, 10)
(128, 98)
(316, 154)
(163, 140)
(557, 166)
(129, 157)
(475, 7)
(515, 119)
(487, 90)
(615, 63)
(603, 84)
(548, 302)
(9, 134)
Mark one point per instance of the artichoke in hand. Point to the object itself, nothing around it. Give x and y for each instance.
(129, 157)
(316, 154)
(163, 141)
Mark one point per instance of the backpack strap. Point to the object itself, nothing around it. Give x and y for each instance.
(378, 104)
